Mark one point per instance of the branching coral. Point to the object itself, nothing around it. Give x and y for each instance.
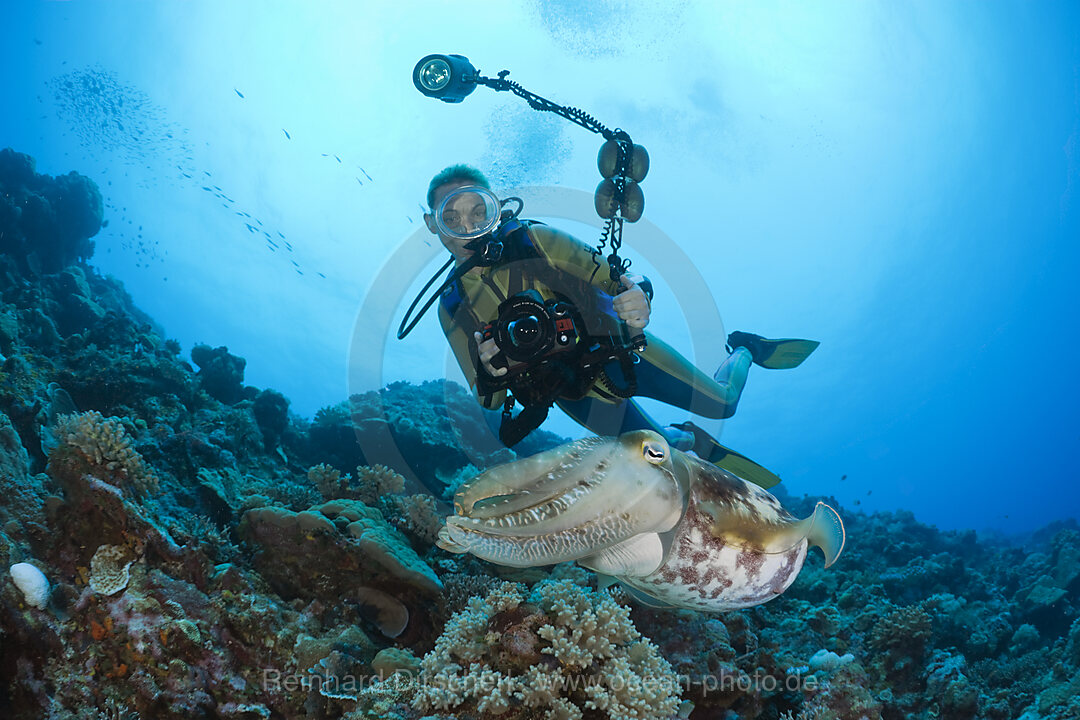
(90, 444)
(328, 480)
(371, 483)
(418, 515)
(566, 650)
(901, 637)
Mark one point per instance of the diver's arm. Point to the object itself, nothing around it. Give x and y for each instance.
(464, 347)
(568, 254)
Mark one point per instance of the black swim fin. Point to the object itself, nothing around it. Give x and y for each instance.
(782, 354)
(707, 448)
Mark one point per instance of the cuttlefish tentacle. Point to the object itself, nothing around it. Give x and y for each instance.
(606, 492)
(528, 482)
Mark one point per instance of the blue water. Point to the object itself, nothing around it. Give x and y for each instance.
(900, 182)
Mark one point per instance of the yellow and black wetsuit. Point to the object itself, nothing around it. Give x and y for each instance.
(554, 263)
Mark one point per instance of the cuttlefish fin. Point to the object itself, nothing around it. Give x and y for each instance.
(823, 528)
(603, 582)
(645, 599)
(638, 556)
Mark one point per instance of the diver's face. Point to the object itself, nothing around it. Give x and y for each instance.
(465, 213)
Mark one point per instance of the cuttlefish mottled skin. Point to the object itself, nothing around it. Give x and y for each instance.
(673, 529)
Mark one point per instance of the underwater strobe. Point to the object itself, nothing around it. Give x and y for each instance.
(446, 77)
(622, 164)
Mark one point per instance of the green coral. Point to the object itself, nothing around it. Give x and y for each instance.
(354, 543)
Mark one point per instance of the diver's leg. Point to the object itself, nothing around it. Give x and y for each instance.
(707, 448)
(665, 375)
(606, 418)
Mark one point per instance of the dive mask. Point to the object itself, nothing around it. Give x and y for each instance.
(468, 212)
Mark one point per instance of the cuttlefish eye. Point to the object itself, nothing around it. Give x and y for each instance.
(653, 451)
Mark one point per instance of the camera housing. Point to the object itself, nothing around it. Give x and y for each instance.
(530, 329)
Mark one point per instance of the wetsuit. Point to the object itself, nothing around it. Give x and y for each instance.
(553, 263)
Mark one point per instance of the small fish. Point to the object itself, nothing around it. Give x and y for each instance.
(250, 227)
(288, 246)
(287, 135)
(869, 491)
(207, 189)
(366, 175)
(207, 173)
(281, 234)
(239, 93)
(36, 41)
(408, 218)
(843, 477)
(322, 276)
(359, 181)
(337, 158)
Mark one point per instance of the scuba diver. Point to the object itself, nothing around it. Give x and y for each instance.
(532, 321)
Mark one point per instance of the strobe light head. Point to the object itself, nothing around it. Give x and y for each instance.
(447, 77)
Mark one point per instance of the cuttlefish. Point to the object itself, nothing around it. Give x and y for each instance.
(673, 529)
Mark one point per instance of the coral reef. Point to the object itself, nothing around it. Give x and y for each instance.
(207, 555)
(48, 222)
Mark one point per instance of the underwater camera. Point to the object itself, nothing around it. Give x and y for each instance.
(530, 329)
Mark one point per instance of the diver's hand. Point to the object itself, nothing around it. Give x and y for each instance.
(488, 350)
(632, 304)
